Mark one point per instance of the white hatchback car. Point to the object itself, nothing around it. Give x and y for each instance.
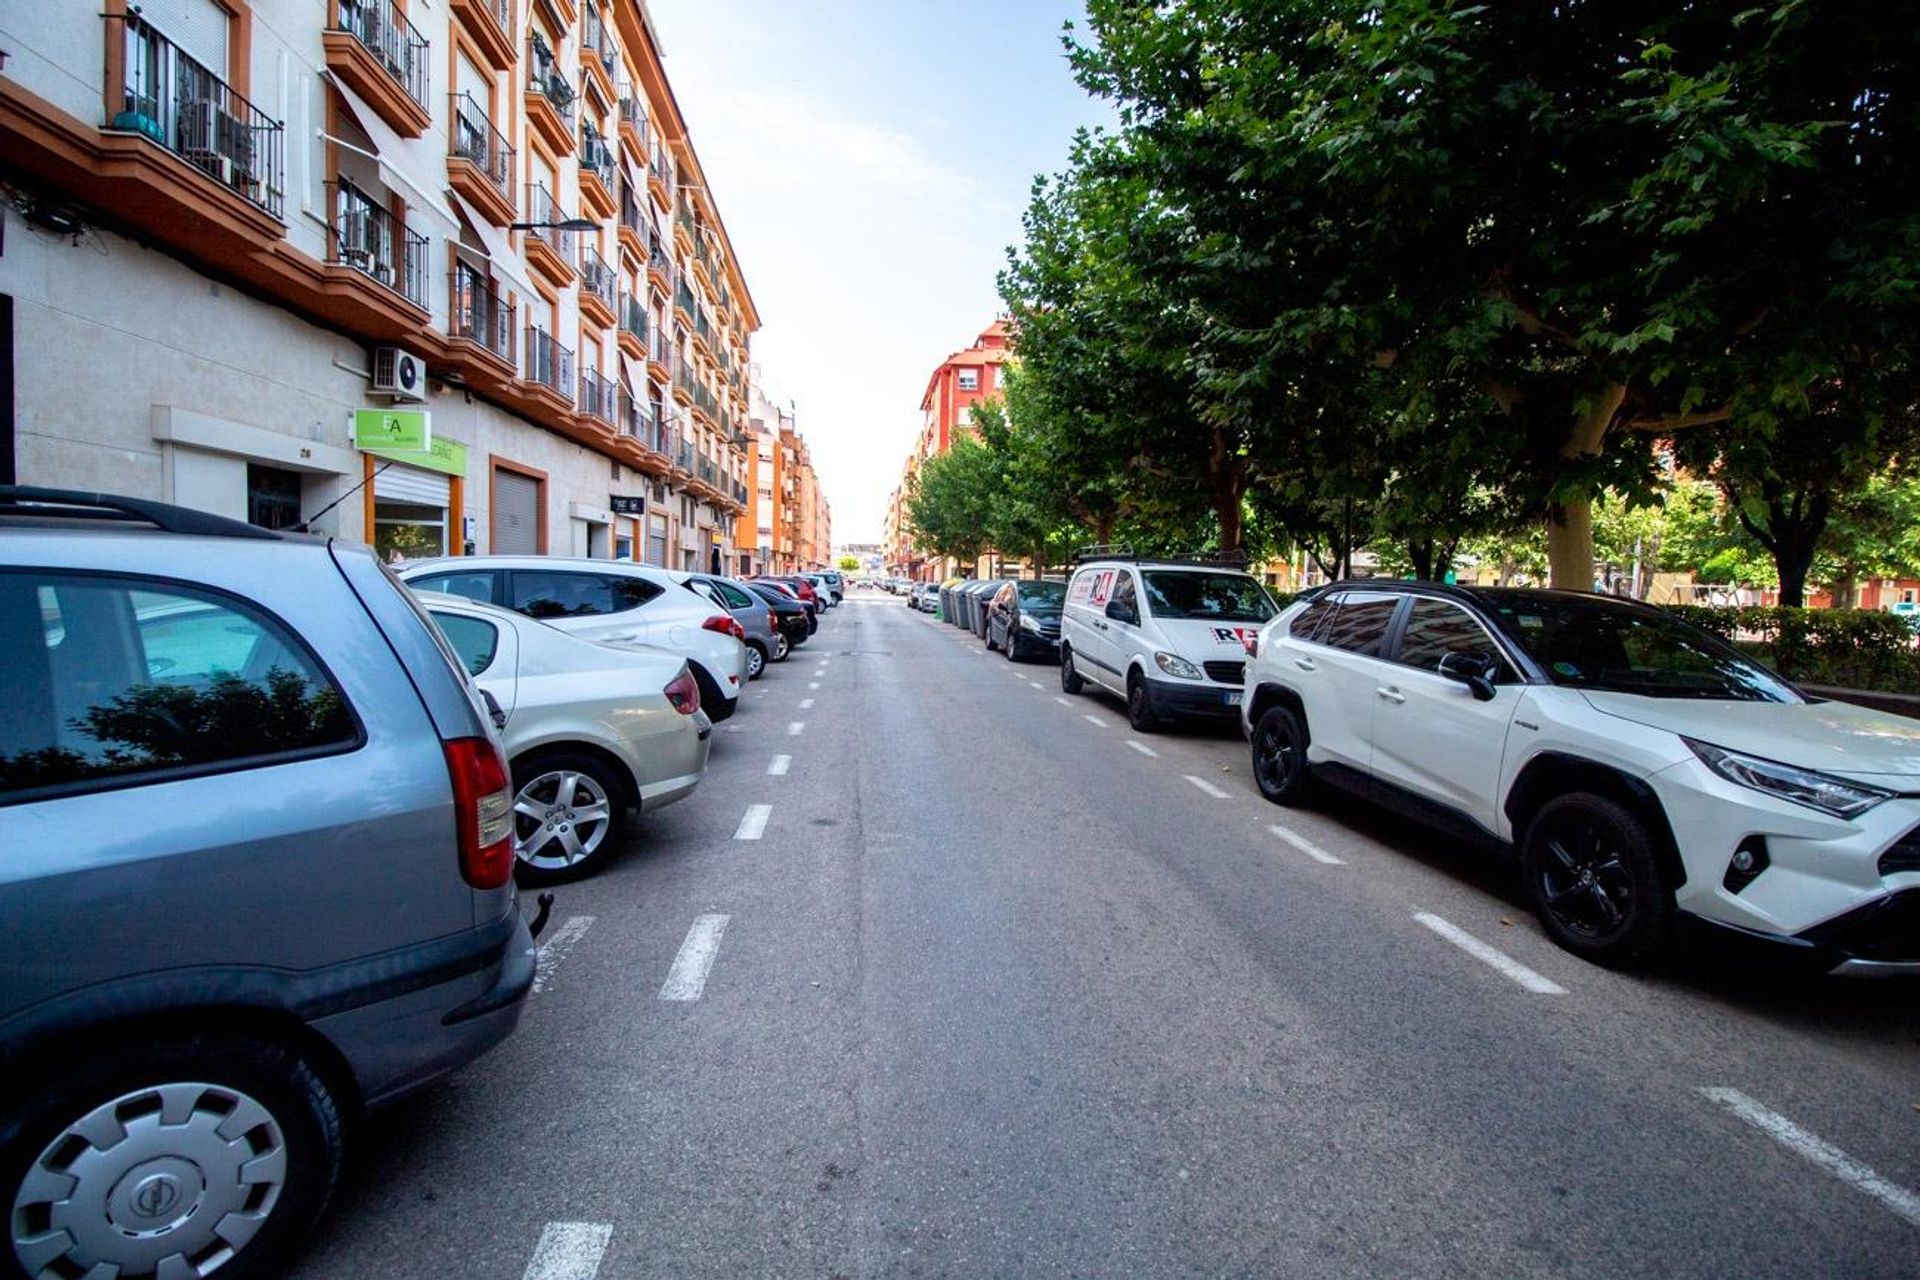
(590, 731)
(1642, 768)
(1169, 636)
(606, 601)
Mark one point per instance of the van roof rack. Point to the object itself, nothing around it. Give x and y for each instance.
(1125, 551)
(76, 504)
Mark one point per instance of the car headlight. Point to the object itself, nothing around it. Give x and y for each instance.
(1028, 624)
(1821, 791)
(1175, 665)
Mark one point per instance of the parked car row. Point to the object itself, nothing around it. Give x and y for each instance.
(1639, 771)
(265, 802)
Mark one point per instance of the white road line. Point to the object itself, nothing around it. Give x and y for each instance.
(779, 766)
(1142, 748)
(690, 968)
(1062, 701)
(1500, 960)
(1205, 786)
(551, 952)
(806, 704)
(1307, 847)
(754, 822)
(794, 728)
(814, 685)
(1095, 721)
(569, 1251)
(1829, 1157)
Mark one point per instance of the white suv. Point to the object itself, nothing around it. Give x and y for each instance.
(1641, 767)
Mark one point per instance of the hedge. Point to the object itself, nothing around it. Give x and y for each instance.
(1848, 648)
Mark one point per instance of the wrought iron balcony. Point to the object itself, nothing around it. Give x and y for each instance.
(544, 74)
(597, 39)
(549, 363)
(364, 235)
(596, 277)
(633, 316)
(633, 115)
(658, 259)
(475, 139)
(597, 396)
(382, 28)
(595, 155)
(182, 106)
(479, 314)
(542, 207)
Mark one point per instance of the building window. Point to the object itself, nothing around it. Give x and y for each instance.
(407, 531)
(969, 379)
(273, 497)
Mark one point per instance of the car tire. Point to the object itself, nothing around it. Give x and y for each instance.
(1013, 645)
(57, 1125)
(991, 646)
(1140, 705)
(576, 791)
(756, 660)
(1591, 874)
(1280, 756)
(1070, 681)
(781, 647)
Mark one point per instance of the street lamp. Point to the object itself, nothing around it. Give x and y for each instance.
(566, 224)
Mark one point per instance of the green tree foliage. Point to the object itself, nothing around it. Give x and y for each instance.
(948, 508)
(848, 564)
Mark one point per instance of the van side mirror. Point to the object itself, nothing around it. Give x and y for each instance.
(1120, 611)
(1474, 670)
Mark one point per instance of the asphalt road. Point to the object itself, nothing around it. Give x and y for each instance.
(1003, 988)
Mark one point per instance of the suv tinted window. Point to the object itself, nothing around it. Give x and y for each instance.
(1360, 621)
(546, 593)
(473, 639)
(115, 678)
(1310, 619)
(1436, 628)
(480, 584)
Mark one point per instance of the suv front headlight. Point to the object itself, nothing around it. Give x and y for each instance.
(1822, 791)
(1175, 665)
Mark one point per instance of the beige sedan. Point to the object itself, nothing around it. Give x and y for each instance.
(592, 732)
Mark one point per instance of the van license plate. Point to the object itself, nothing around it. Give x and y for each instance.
(1233, 699)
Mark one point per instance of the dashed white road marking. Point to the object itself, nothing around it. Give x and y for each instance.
(550, 953)
(688, 977)
(1307, 846)
(1142, 748)
(806, 704)
(1829, 1157)
(779, 766)
(814, 685)
(1094, 720)
(1506, 964)
(753, 823)
(796, 727)
(1062, 701)
(1205, 786)
(569, 1251)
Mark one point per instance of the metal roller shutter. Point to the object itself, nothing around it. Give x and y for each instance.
(198, 27)
(516, 514)
(400, 483)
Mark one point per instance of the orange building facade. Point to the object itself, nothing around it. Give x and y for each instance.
(961, 381)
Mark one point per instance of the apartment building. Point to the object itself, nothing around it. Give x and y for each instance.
(955, 386)
(786, 507)
(439, 275)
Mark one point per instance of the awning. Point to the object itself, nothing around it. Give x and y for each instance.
(499, 248)
(402, 163)
(635, 375)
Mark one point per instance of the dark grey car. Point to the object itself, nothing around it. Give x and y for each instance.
(257, 879)
(764, 642)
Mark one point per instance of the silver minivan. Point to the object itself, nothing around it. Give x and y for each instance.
(257, 878)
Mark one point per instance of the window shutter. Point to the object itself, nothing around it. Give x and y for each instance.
(516, 514)
(198, 27)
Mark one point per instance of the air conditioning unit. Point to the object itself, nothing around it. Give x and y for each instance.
(399, 374)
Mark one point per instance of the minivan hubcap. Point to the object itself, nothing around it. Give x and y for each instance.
(559, 818)
(174, 1180)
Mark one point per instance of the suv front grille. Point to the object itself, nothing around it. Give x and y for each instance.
(1226, 672)
(1902, 855)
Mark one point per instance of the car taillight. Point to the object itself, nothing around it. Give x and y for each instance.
(482, 810)
(725, 625)
(683, 693)
(773, 619)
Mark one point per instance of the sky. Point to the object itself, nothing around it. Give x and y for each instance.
(870, 160)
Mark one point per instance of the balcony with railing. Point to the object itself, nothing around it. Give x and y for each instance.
(365, 235)
(683, 301)
(633, 123)
(659, 171)
(683, 383)
(550, 95)
(599, 286)
(479, 161)
(597, 173)
(490, 24)
(171, 99)
(380, 55)
(632, 316)
(684, 226)
(659, 260)
(597, 397)
(598, 55)
(548, 247)
(548, 364)
(659, 355)
(480, 315)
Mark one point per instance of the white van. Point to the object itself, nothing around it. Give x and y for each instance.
(1170, 636)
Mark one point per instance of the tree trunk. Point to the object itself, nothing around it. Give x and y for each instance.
(1420, 551)
(1226, 509)
(1103, 530)
(1793, 556)
(1570, 522)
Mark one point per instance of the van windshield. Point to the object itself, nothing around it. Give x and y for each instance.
(1215, 597)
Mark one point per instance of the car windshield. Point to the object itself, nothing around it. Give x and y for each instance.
(1222, 597)
(1042, 597)
(1601, 645)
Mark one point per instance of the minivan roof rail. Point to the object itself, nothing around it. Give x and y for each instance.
(1125, 551)
(76, 504)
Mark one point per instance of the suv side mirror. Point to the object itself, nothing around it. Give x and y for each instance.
(1474, 670)
(1120, 612)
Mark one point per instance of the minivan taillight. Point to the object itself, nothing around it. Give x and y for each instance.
(482, 810)
(725, 625)
(684, 693)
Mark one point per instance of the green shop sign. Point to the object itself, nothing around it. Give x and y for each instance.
(443, 454)
(391, 429)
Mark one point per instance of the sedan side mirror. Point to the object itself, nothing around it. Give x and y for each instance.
(498, 716)
(1474, 670)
